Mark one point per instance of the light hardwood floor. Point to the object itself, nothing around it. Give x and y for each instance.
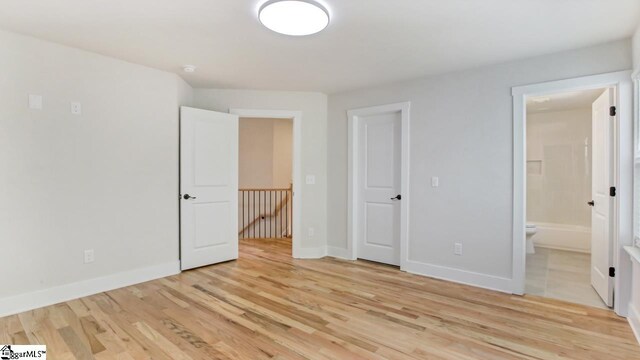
(268, 306)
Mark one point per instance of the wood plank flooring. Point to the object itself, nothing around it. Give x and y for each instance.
(269, 306)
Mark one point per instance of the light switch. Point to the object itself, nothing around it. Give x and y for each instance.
(76, 108)
(311, 180)
(435, 181)
(35, 102)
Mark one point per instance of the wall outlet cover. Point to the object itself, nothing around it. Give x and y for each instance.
(35, 102)
(457, 249)
(89, 256)
(76, 108)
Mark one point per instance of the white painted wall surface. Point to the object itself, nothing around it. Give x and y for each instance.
(314, 147)
(636, 49)
(559, 167)
(461, 131)
(105, 180)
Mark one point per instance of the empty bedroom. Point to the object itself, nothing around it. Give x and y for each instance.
(320, 179)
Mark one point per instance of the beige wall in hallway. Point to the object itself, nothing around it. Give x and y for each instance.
(265, 153)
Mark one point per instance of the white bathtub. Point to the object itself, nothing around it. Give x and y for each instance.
(563, 237)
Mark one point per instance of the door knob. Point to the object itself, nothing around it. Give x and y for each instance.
(188, 197)
(397, 197)
(591, 203)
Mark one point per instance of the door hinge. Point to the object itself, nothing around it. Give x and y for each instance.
(612, 111)
(612, 191)
(612, 272)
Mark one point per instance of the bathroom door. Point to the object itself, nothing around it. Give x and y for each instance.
(602, 203)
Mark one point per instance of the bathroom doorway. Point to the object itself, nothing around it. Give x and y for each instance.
(569, 173)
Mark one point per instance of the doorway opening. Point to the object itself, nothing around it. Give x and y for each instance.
(569, 173)
(620, 225)
(265, 179)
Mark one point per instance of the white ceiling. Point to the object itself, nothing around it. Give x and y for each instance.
(368, 41)
(563, 101)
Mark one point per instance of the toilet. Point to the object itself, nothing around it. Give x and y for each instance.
(531, 231)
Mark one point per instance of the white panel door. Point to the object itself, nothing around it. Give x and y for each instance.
(379, 166)
(601, 214)
(208, 187)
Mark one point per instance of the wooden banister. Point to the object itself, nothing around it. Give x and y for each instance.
(261, 207)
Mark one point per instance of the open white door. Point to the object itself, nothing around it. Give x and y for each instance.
(601, 215)
(379, 169)
(208, 187)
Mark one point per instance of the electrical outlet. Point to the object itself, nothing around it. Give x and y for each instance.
(76, 108)
(35, 102)
(435, 181)
(89, 256)
(457, 249)
(310, 180)
(312, 232)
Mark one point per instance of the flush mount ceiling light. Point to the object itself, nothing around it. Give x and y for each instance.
(294, 17)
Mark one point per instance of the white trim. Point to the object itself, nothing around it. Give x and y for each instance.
(459, 276)
(41, 298)
(352, 218)
(634, 321)
(633, 313)
(337, 252)
(297, 251)
(624, 173)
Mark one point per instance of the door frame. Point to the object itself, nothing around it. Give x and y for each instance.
(623, 174)
(353, 215)
(296, 118)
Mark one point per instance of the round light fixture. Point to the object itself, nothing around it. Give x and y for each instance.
(294, 17)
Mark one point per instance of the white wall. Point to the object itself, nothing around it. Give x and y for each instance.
(559, 167)
(461, 131)
(265, 153)
(314, 147)
(105, 180)
(636, 49)
(634, 306)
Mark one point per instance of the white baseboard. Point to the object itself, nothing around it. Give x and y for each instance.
(563, 248)
(459, 276)
(338, 252)
(311, 253)
(634, 321)
(37, 299)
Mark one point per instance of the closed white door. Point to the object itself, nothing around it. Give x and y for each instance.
(601, 231)
(208, 187)
(379, 187)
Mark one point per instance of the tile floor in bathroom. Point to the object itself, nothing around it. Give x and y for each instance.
(563, 275)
